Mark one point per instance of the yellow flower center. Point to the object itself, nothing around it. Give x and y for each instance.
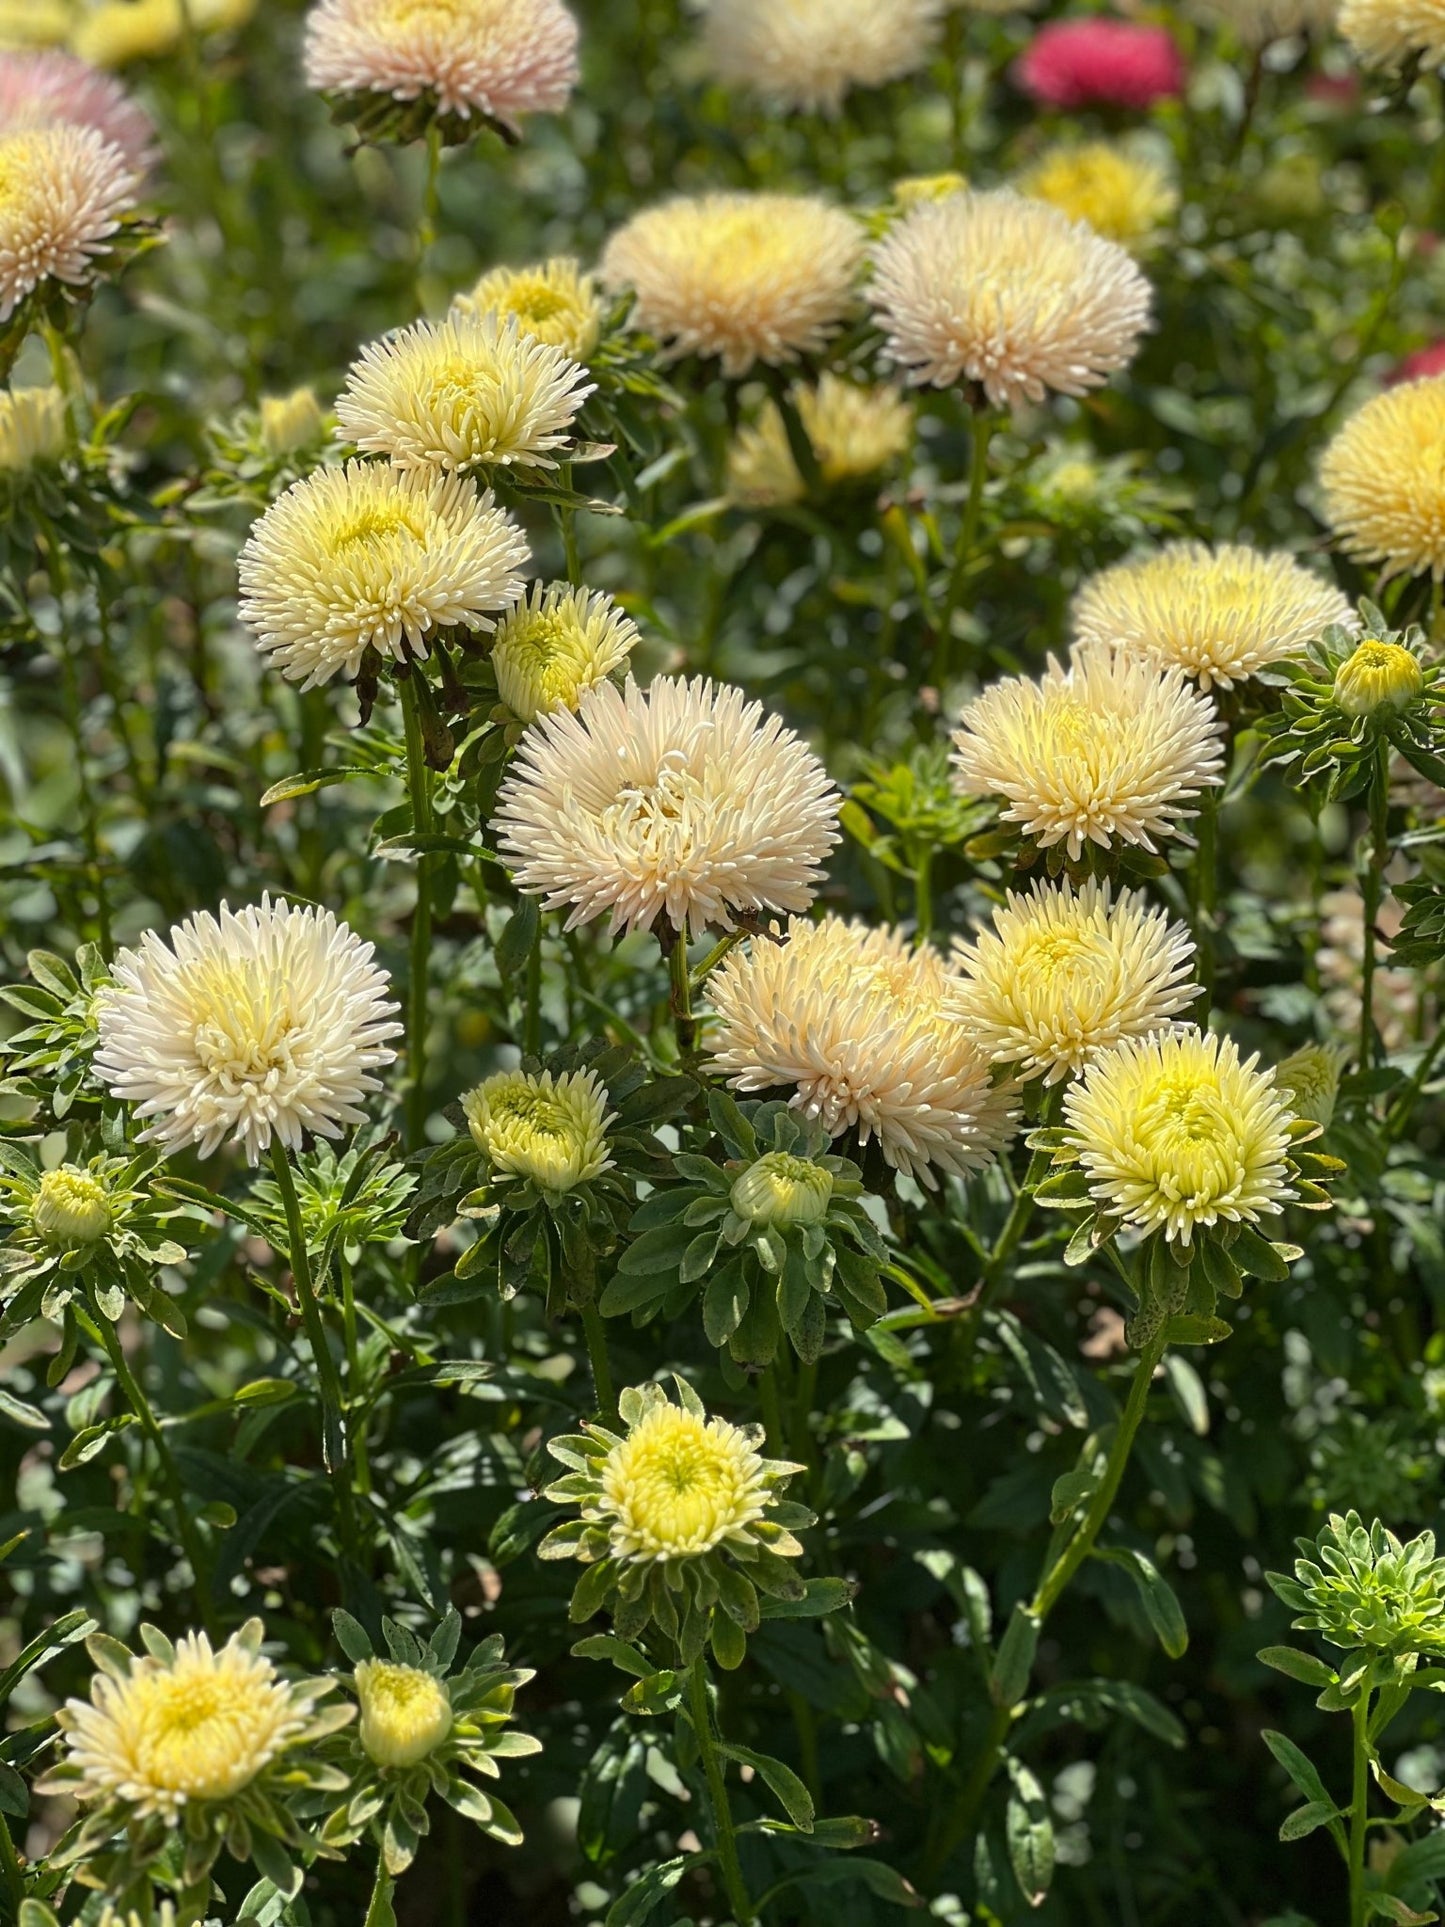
(1051, 953)
(536, 301)
(550, 1132)
(405, 1713)
(782, 1189)
(245, 1022)
(1192, 1139)
(681, 1484)
(375, 525)
(1379, 675)
(548, 653)
(203, 1736)
(70, 1208)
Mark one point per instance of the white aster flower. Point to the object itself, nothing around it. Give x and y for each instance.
(552, 648)
(1387, 32)
(63, 193)
(807, 53)
(51, 88)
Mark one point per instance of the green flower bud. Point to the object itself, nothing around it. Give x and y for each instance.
(781, 1189)
(405, 1713)
(1379, 675)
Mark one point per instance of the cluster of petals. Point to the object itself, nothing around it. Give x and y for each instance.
(1101, 63)
(51, 88)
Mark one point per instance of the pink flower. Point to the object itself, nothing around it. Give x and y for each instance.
(1104, 63)
(1424, 361)
(1340, 91)
(54, 89)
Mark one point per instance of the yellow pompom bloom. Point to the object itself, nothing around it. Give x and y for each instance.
(779, 1188)
(807, 54)
(680, 1484)
(557, 643)
(551, 1130)
(34, 23)
(34, 428)
(854, 432)
(553, 302)
(1379, 675)
(1220, 615)
(405, 1712)
(63, 193)
(70, 1209)
(119, 31)
(1176, 1133)
(1388, 32)
(293, 421)
(1122, 195)
(1383, 477)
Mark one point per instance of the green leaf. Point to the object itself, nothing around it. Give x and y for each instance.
(818, 1597)
(792, 1795)
(1304, 1667)
(643, 1896)
(1014, 1660)
(19, 1413)
(1391, 1907)
(1302, 1771)
(351, 1636)
(1030, 1835)
(306, 782)
(92, 1439)
(876, 1875)
(1306, 1819)
(608, 1646)
(1161, 1607)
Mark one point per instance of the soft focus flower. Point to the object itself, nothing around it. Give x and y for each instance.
(293, 421)
(1100, 63)
(1007, 292)
(856, 1020)
(779, 1188)
(63, 193)
(54, 89)
(684, 801)
(1386, 33)
(119, 31)
(1383, 476)
(552, 1131)
(1257, 22)
(916, 188)
(1124, 196)
(808, 53)
(1175, 1133)
(747, 277)
(270, 1021)
(468, 391)
(854, 432)
(405, 1712)
(1111, 747)
(1429, 360)
(498, 58)
(553, 302)
(551, 648)
(364, 557)
(34, 23)
(1309, 1081)
(34, 428)
(71, 1208)
(1220, 615)
(1379, 675)
(1066, 974)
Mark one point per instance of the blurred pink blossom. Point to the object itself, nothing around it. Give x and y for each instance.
(1104, 63)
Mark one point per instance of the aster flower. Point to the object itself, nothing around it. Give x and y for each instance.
(1006, 292)
(1124, 196)
(1383, 476)
(271, 1021)
(554, 302)
(746, 277)
(1221, 615)
(856, 1020)
(490, 59)
(682, 1523)
(550, 649)
(63, 193)
(1065, 975)
(34, 428)
(1387, 33)
(1111, 749)
(114, 33)
(853, 431)
(683, 802)
(807, 54)
(52, 88)
(365, 557)
(1100, 63)
(1309, 1080)
(550, 1132)
(291, 422)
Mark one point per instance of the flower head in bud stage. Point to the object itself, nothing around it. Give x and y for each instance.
(269, 1022)
(807, 54)
(914, 189)
(51, 88)
(550, 649)
(1383, 477)
(64, 191)
(1379, 675)
(683, 801)
(780, 1189)
(1387, 33)
(1124, 196)
(553, 302)
(1220, 615)
(34, 428)
(549, 1131)
(1309, 1081)
(1008, 293)
(405, 1712)
(70, 1209)
(1111, 749)
(854, 432)
(1065, 975)
(290, 422)
(368, 558)
(1360, 1587)
(747, 277)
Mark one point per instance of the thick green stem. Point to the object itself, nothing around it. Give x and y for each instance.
(1374, 890)
(356, 1429)
(532, 1005)
(596, 1335)
(923, 893)
(717, 1793)
(10, 1868)
(1206, 894)
(1021, 1215)
(430, 206)
(683, 1021)
(983, 427)
(1359, 1807)
(419, 789)
(380, 1912)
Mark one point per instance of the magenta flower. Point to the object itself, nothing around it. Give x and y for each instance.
(1100, 63)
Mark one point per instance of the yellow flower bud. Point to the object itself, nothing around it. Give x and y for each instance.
(405, 1713)
(1309, 1080)
(291, 421)
(781, 1189)
(927, 187)
(1379, 675)
(70, 1208)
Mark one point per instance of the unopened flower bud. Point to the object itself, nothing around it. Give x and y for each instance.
(781, 1189)
(70, 1208)
(405, 1713)
(1379, 675)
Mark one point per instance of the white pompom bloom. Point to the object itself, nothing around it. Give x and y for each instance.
(366, 557)
(51, 88)
(1388, 32)
(498, 58)
(270, 1021)
(856, 1021)
(1009, 293)
(808, 53)
(684, 801)
(63, 193)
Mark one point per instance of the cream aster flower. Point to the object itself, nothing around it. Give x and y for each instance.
(469, 391)
(1383, 476)
(405, 1712)
(289, 422)
(63, 193)
(34, 428)
(270, 1021)
(1110, 748)
(684, 801)
(366, 557)
(552, 1131)
(1006, 292)
(1221, 615)
(554, 301)
(550, 649)
(1066, 974)
(678, 1485)
(854, 432)
(498, 58)
(808, 53)
(746, 277)
(54, 89)
(71, 1208)
(1175, 1133)
(857, 1021)
(1386, 33)
(1125, 196)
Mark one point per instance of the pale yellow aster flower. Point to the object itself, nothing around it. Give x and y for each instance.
(746, 277)
(551, 648)
(1221, 615)
(471, 391)
(52, 88)
(497, 58)
(856, 1021)
(1176, 1133)
(854, 432)
(34, 23)
(678, 1485)
(63, 193)
(551, 1130)
(554, 302)
(293, 421)
(365, 557)
(807, 54)
(405, 1712)
(71, 1208)
(34, 428)
(269, 1022)
(1111, 748)
(1125, 196)
(1066, 974)
(1378, 675)
(119, 31)
(1006, 292)
(684, 802)
(778, 1188)
(1386, 33)
(1383, 476)
(1309, 1081)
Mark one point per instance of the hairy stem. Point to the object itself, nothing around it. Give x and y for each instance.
(684, 1024)
(717, 1793)
(595, 1333)
(419, 789)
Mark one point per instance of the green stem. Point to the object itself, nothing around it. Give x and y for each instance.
(772, 1412)
(380, 1912)
(595, 1333)
(532, 1007)
(1359, 1806)
(59, 576)
(356, 1431)
(1374, 890)
(983, 427)
(722, 1819)
(923, 893)
(1206, 894)
(1404, 1106)
(430, 205)
(567, 519)
(1021, 1215)
(683, 1021)
(10, 1868)
(419, 789)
